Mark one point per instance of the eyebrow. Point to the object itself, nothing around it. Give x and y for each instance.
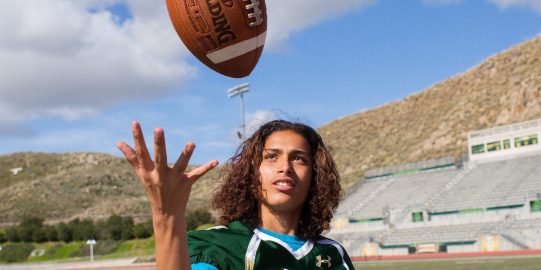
(277, 150)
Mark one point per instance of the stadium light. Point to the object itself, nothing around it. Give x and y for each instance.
(239, 90)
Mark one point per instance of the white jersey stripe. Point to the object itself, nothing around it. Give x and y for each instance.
(238, 49)
(249, 258)
(298, 254)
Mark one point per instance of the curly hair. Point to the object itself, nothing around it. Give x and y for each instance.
(237, 196)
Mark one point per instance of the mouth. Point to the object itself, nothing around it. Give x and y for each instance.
(284, 184)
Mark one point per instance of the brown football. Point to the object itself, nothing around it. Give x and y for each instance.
(226, 35)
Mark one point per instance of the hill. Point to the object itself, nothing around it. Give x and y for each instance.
(60, 187)
(504, 89)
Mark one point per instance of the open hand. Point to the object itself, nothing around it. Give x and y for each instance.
(167, 188)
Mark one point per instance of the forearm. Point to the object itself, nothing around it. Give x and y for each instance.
(171, 243)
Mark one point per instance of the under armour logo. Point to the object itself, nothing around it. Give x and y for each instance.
(326, 262)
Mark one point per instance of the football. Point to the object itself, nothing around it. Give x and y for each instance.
(228, 36)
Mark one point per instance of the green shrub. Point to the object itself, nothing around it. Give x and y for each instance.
(3, 237)
(50, 233)
(12, 235)
(64, 233)
(30, 229)
(15, 252)
(197, 218)
(142, 230)
(117, 228)
(39, 236)
(82, 229)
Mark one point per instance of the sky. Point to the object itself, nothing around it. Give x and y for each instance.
(75, 73)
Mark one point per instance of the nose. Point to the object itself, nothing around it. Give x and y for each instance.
(284, 166)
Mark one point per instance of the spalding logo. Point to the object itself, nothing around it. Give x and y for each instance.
(220, 22)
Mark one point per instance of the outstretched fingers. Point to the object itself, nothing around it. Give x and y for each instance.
(140, 147)
(129, 153)
(160, 154)
(184, 158)
(201, 170)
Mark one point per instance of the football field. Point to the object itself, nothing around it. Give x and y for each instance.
(497, 263)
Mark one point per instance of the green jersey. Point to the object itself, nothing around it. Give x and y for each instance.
(236, 247)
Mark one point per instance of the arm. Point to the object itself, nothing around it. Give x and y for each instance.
(168, 190)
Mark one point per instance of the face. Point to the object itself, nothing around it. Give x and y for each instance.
(285, 171)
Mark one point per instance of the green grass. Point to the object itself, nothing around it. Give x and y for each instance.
(66, 251)
(74, 251)
(50, 250)
(133, 248)
(496, 263)
(125, 247)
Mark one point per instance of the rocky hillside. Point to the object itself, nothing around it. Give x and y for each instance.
(87, 185)
(504, 89)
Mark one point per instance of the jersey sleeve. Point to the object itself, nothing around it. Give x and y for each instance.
(202, 250)
(216, 248)
(203, 266)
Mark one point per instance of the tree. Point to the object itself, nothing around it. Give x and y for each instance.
(50, 233)
(82, 230)
(118, 227)
(142, 230)
(29, 227)
(127, 228)
(12, 235)
(39, 236)
(198, 217)
(64, 232)
(113, 227)
(3, 237)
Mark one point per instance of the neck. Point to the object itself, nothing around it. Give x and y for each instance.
(286, 222)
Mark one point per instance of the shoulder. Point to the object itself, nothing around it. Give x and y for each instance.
(220, 245)
(235, 230)
(327, 243)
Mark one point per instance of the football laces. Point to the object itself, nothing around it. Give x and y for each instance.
(256, 14)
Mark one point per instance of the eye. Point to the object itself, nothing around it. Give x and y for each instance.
(300, 158)
(270, 156)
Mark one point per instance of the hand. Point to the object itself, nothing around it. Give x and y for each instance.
(167, 188)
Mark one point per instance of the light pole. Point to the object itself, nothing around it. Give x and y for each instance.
(239, 90)
(91, 242)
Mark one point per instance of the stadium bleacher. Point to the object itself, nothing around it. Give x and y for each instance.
(486, 204)
(507, 182)
(404, 188)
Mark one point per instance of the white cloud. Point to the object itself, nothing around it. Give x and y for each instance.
(504, 4)
(287, 16)
(73, 58)
(253, 122)
(58, 58)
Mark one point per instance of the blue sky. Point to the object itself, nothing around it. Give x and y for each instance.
(74, 73)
